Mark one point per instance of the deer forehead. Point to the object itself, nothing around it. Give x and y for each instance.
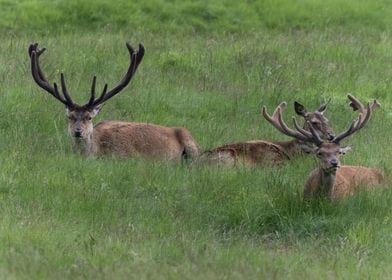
(316, 117)
(79, 113)
(329, 148)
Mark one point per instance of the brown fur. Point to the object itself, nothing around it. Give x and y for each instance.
(342, 183)
(252, 153)
(141, 139)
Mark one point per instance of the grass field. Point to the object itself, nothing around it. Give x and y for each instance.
(209, 66)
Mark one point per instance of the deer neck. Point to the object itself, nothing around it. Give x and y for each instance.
(291, 148)
(84, 146)
(327, 181)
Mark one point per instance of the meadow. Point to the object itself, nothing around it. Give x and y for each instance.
(209, 66)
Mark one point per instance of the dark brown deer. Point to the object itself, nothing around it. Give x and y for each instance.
(114, 137)
(265, 152)
(330, 179)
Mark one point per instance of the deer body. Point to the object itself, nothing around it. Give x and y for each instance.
(263, 152)
(342, 183)
(115, 137)
(138, 139)
(253, 153)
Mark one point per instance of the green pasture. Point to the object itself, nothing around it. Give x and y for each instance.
(209, 67)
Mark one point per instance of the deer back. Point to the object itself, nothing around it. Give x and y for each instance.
(141, 139)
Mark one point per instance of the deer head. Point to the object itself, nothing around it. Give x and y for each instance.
(317, 118)
(80, 123)
(319, 122)
(328, 153)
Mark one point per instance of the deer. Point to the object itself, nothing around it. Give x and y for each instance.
(127, 139)
(330, 179)
(264, 152)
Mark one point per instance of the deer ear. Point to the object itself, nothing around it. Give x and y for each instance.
(299, 109)
(322, 108)
(96, 110)
(344, 150)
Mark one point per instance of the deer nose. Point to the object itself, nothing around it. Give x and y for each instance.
(335, 163)
(78, 133)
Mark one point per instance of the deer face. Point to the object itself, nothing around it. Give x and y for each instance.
(80, 124)
(319, 122)
(329, 156)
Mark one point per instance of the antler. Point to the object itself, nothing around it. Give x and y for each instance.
(136, 58)
(357, 105)
(274, 119)
(39, 78)
(301, 134)
(364, 116)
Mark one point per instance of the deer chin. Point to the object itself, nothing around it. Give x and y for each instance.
(331, 169)
(79, 138)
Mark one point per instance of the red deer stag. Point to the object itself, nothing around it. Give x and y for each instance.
(114, 137)
(259, 152)
(330, 179)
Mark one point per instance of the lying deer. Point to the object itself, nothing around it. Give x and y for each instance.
(330, 179)
(114, 137)
(258, 152)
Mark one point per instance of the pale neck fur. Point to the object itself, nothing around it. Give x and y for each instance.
(327, 182)
(84, 146)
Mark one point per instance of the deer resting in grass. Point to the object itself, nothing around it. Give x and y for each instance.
(330, 179)
(114, 137)
(259, 152)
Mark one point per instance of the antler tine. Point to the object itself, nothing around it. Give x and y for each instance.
(316, 137)
(92, 97)
(355, 126)
(347, 132)
(34, 47)
(136, 58)
(65, 91)
(97, 102)
(139, 54)
(300, 129)
(290, 132)
(274, 118)
(323, 106)
(356, 104)
(364, 116)
(375, 105)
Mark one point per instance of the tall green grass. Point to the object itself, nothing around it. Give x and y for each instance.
(209, 66)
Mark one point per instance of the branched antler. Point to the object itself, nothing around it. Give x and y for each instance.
(364, 116)
(34, 53)
(39, 78)
(136, 58)
(312, 136)
(301, 134)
